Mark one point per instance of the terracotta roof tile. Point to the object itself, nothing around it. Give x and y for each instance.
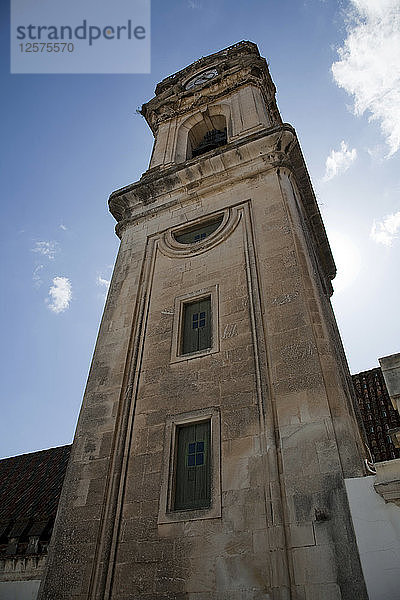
(30, 487)
(377, 413)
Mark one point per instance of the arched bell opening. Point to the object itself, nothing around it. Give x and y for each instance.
(206, 135)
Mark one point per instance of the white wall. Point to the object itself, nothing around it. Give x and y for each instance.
(19, 590)
(377, 527)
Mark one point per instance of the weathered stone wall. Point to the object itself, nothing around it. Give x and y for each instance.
(228, 554)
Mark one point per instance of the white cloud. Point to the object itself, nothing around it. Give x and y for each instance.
(37, 280)
(385, 231)
(60, 293)
(377, 152)
(48, 249)
(339, 161)
(102, 282)
(369, 65)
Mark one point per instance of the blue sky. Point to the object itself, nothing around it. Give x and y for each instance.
(68, 141)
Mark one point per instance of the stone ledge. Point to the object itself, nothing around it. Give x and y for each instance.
(387, 481)
(22, 567)
(163, 187)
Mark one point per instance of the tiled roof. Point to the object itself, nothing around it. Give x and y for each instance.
(30, 486)
(377, 413)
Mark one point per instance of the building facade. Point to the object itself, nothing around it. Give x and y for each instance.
(378, 415)
(30, 486)
(217, 427)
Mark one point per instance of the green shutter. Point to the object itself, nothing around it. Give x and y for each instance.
(196, 326)
(193, 469)
(204, 332)
(190, 335)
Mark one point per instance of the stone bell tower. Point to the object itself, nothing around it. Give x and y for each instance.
(217, 425)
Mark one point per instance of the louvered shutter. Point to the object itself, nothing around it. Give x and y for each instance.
(204, 330)
(197, 326)
(193, 469)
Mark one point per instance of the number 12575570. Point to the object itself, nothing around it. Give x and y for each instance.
(47, 47)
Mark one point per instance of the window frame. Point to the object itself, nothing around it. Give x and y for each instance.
(216, 220)
(178, 324)
(167, 512)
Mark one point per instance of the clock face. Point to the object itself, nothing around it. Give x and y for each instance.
(201, 78)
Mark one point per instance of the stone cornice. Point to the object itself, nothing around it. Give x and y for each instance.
(387, 481)
(164, 187)
(25, 568)
(167, 184)
(240, 49)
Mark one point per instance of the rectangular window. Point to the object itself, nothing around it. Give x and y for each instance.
(196, 331)
(192, 467)
(191, 470)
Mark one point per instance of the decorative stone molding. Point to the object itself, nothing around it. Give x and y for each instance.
(395, 436)
(390, 366)
(237, 66)
(163, 188)
(387, 481)
(256, 152)
(171, 247)
(22, 568)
